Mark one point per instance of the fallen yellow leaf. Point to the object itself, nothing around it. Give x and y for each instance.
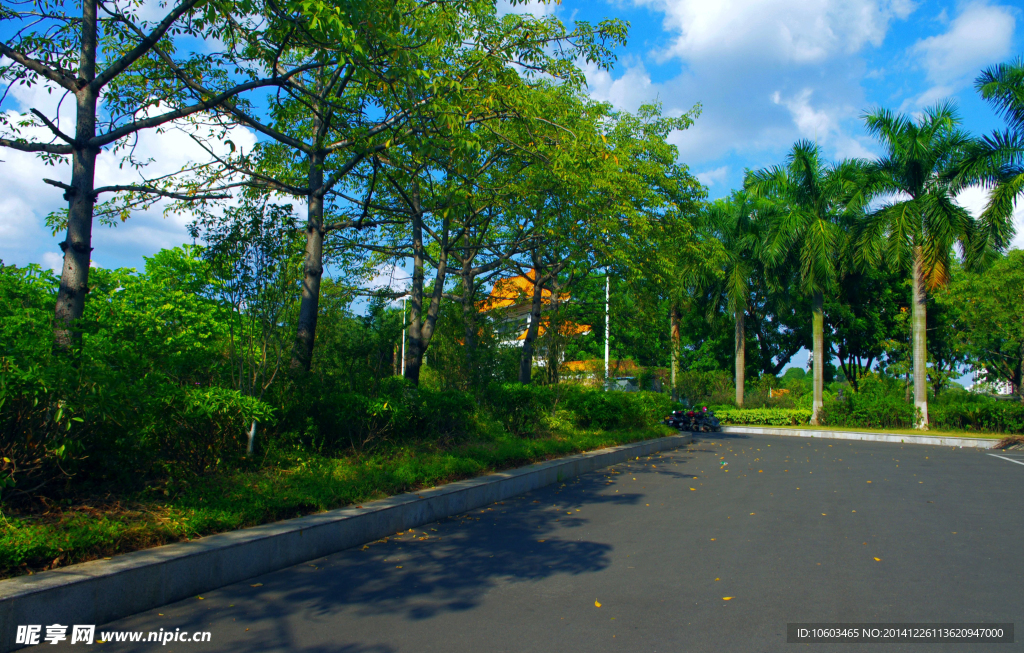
(693, 489)
(597, 604)
(727, 598)
(878, 559)
(256, 585)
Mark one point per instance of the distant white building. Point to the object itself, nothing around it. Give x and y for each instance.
(989, 387)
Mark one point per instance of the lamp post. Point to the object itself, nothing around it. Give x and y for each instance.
(607, 326)
(404, 328)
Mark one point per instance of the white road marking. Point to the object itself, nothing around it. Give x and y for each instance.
(1005, 458)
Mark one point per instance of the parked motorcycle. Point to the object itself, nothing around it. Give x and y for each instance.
(694, 421)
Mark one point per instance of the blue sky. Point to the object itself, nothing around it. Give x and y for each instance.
(766, 72)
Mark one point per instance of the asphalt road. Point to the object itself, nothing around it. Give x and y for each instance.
(793, 530)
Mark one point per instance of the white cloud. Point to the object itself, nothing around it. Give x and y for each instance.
(980, 36)
(712, 177)
(53, 261)
(25, 200)
(627, 92)
(766, 73)
(811, 122)
(800, 31)
(974, 199)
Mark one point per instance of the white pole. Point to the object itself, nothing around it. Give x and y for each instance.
(607, 326)
(404, 327)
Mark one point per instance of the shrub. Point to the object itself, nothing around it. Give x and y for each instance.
(202, 428)
(880, 403)
(763, 416)
(609, 410)
(520, 408)
(701, 386)
(985, 414)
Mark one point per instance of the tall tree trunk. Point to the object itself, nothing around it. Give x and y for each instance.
(469, 317)
(818, 326)
(741, 356)
(1020, 375)
(673, 336)
(526, 358)
(312, 268)
(77, 247)
(920, 342)
(414, 349)
(422, 323)
(554, 335)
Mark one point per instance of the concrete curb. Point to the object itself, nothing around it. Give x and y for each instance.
(940, 440)
(101, 591)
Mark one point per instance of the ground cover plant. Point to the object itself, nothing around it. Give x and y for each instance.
(283, 484)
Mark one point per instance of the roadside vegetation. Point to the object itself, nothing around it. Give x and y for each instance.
(341, 327)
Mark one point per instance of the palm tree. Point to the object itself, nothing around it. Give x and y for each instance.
(996, 161)
(810, 198)
(732, 221)
(921, 223)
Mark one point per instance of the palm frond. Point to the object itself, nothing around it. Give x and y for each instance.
(1003, 87)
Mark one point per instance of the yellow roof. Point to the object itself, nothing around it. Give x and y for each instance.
(620, 366)
(565, 329)
(515, 290)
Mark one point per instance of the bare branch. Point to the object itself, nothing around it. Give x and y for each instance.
(57, 77)
(58, 184)
(49, 148)
(147, 43)
(149, 190)
(57, 132)
(210, 103)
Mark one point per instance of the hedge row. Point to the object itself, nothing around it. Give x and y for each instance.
(886, 412)
(764, 416)
(991, 416)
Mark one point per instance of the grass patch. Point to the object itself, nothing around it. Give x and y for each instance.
(288, 486)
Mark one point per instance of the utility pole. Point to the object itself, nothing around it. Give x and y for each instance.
(607, 327)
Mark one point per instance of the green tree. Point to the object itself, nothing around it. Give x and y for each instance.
(996, 161)
(862, 318)
(735, 223)
(253, 252)
(124, 75)
(921, 223)
(811, 199)
(988, 309)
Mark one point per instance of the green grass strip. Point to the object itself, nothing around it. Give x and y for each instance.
(290, 487)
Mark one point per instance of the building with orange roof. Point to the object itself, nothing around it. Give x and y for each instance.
(511, 301)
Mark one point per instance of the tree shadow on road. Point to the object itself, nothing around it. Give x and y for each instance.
(441, 567)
